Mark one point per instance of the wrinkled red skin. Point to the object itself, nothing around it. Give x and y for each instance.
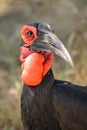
(34, 65)
(28, 40)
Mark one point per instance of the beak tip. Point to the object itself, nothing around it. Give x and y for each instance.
(72, 64)
(70, 61)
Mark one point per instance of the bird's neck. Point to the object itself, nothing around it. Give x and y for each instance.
(46, 82)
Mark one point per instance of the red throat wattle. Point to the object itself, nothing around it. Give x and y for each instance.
(34, 65)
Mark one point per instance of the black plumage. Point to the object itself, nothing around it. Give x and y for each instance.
(37, 109)
(54, 105)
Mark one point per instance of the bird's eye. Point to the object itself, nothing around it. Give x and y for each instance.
(30, 33)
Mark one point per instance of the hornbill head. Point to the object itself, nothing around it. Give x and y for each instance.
(39, 37)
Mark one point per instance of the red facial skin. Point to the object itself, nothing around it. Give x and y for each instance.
(24, 33)
(34, 65)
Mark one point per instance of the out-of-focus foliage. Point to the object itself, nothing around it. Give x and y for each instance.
(69, 21)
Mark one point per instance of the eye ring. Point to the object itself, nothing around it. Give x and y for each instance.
(30, 33)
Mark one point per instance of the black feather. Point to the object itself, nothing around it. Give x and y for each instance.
(36, 106)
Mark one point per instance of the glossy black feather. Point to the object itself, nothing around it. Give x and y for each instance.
(36, 106)
(70, 104)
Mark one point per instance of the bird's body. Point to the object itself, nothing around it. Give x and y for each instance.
(37, 108)
(70, 103)
(61, 105)
(46, 103)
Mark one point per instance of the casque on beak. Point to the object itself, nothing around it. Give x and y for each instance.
(47, 41)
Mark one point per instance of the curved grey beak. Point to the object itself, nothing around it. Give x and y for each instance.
(49, 42)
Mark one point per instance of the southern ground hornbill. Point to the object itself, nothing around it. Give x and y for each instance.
(46, 103)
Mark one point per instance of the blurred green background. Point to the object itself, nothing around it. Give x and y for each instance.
(69, 20)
